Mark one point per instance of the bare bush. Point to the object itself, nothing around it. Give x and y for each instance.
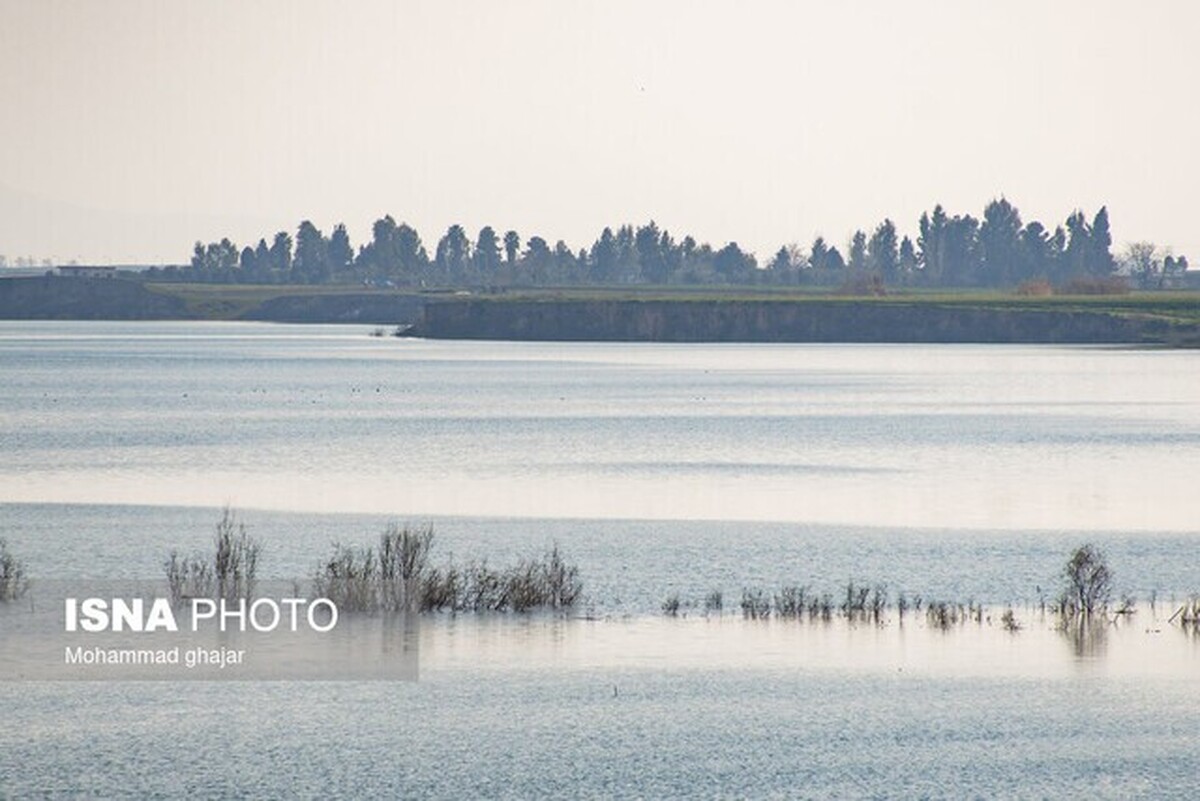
(670, 607)
(942, 615)
(820, 607)
(235, 563)
(878, 602)
(188, 577)
(714, 602)
(229, 572)
(403, 559)
(13, 580)
(350, 578)
(755, 605)
(854, 603)
(483, 589)
(1009, 621)
(561, 580)
(400, 576)
(790, 602)
(441, 589)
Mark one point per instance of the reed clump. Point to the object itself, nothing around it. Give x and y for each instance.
(14, 581)
(398, 575)
(229, 572)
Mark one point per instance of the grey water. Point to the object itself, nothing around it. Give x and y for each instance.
(959, 472)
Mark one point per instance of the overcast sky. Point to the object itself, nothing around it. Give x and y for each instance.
(130, 129)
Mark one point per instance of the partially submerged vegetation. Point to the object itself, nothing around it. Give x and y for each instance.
(1188, 615)
(1087, 582)
(1084, 604)
(399, 575)
(14, 581)
(859, 603)
(230, 571)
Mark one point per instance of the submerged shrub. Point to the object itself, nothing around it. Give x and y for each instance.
(942, 615)
(440, 589)
(755, 605)
(561, 581)
(714, 602)
(403, 560)
(1128, 605)
(525, 590)
(483, 589)
(400, 576)
(350, 578)
(878, 602)
(854, 604)
(188, 577)
(670, 607)
(1009, 620)
(230, 572)
(820, 607)
(235, 563)
(13, 581)
(790, 602)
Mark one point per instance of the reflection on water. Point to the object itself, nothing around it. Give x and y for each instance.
(646, 708)
(1088, 638)
(1140, 645)
(627, 566)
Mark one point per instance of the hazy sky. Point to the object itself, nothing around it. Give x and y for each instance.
(130, 129)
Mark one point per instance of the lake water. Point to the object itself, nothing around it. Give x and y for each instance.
(953, 472)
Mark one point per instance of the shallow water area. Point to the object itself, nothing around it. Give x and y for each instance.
(1143, 644)
(961, 474)
(650, 707)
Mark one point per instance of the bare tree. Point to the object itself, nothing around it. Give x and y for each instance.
(1143, 262)
(1088, 581)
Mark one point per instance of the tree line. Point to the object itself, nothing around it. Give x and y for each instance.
(996, 250)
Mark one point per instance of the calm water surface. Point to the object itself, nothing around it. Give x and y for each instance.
(949, 471)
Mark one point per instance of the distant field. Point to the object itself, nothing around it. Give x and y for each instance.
(57, 298)
(753, 314)
(236, 301)
(1176, 306)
